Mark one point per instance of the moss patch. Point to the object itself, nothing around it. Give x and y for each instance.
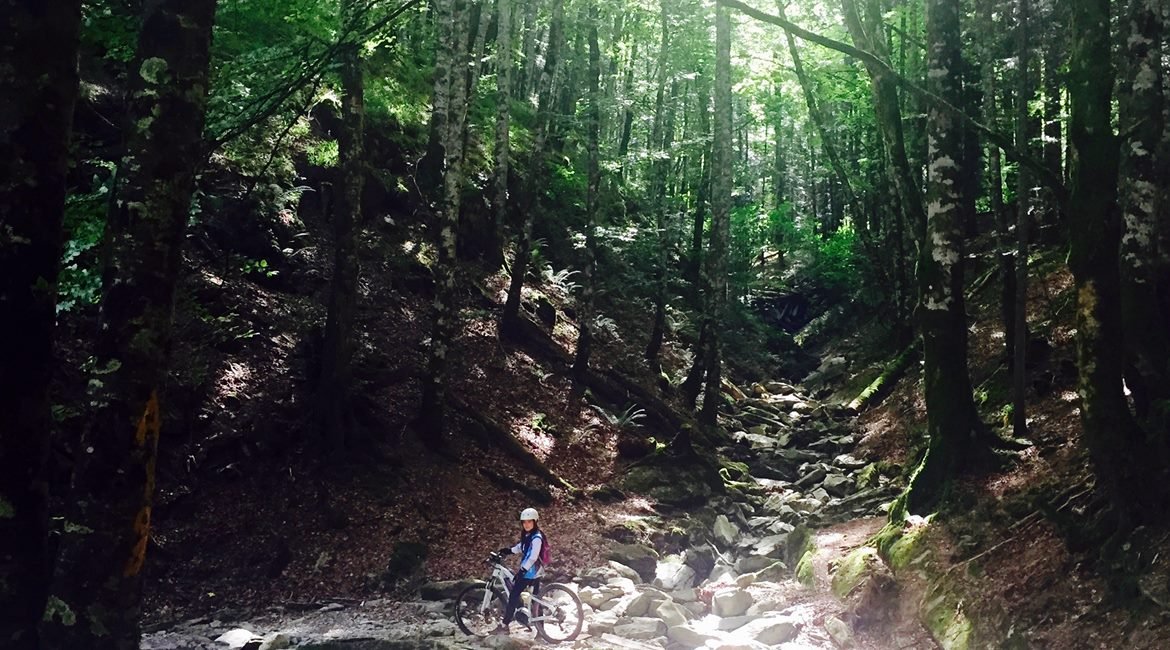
(944, 617)
(854, 569)
(804, 569)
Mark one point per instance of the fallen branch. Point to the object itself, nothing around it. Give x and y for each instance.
(879, 387)
(513, 447)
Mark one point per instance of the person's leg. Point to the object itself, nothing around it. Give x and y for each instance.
(514, 601)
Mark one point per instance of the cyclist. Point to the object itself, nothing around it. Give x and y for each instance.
(531, 570)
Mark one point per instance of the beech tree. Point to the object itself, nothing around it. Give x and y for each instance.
(95, 595)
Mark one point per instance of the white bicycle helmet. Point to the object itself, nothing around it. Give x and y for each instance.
(529, 513)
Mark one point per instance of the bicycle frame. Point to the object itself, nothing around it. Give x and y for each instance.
(503, 576)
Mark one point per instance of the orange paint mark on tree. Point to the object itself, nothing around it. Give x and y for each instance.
(146, 438)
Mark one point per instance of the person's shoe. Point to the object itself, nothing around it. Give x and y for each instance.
(501, 630)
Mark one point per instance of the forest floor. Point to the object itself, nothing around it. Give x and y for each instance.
(253, 527)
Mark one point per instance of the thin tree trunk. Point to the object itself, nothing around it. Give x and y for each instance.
(1052, 130)
(1121, 459)
(865, 33)
(952, 422)
(661, 137)
(504, 63)
(1144, 266)
(509, 320)
(721, 182)
(432, 412)
(525, 73)
(1024, 92)
(828, 143)
(593, 189)
(38, 91)
(97, 587)
(333, 395)
(628, 111)
(432, 167)
(995, 186)
(695, 266)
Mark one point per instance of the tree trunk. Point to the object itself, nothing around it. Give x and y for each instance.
(695, 266)
(889, 116)
(432, 412)
(528, 61)
(333, 390)
(828, 142)
(661, 137)
(995, 185)
(504, 59)
(593, 189)
(628, 111)
(96, 592)
(432, 167)
(536, 174)
(38, 90)
(720, 215)
(952, 422)
(1144, 266)
(1122, 461)
(1052, 128)
(1024, 92)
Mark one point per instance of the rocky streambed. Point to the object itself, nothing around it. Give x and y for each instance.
(744, 551)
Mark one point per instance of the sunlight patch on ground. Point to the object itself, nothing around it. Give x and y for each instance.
(233, 379)
(1069, 396)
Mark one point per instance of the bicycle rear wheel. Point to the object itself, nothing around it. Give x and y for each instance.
(471, 615)
(560, 616)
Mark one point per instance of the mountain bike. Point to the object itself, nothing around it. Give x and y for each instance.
(556, 612)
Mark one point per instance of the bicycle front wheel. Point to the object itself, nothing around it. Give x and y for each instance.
(475, 617)
(561, 616)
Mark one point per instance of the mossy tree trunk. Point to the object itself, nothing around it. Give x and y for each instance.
(1126, 470)
(38, 90)
(952, 422)
(721, 170)
(95, 597)
(1144, 262)
(334, 410)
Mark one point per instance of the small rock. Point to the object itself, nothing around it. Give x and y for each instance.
(280, 641)
(772, 630)
(731, 602)
(642, 559)
(602, 623)
(643, 603)
(672, 613)
(847, 461)
(732, 623)
(624, 584)
(238, 638)
(640, 628)
(812, 478)
(624, 571)
(688, 637)
(336, 607)
(725, 532)
(751, 563)
(673, 574)
(839, 631)
(838, 485)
